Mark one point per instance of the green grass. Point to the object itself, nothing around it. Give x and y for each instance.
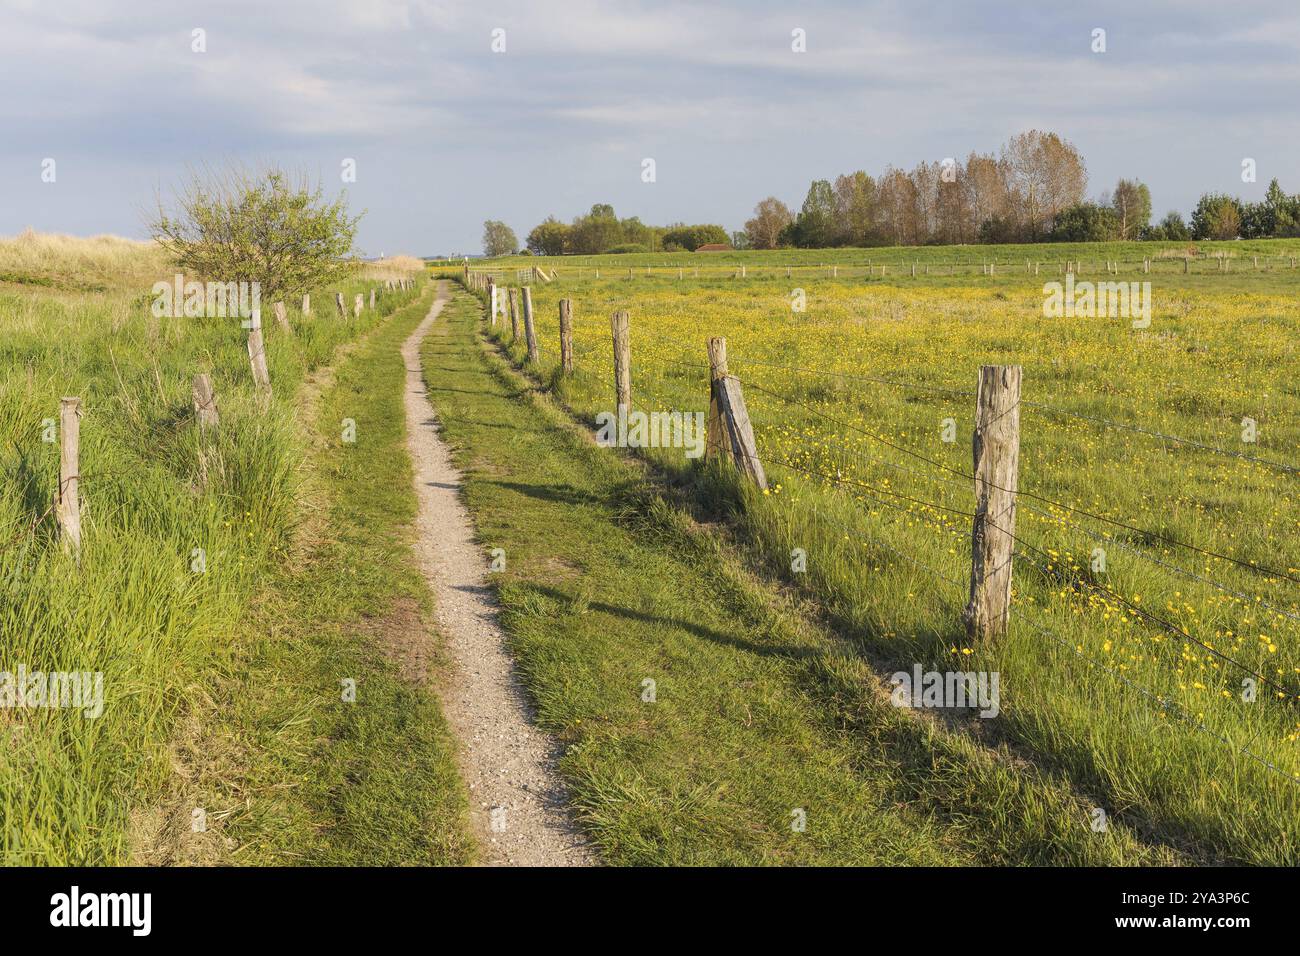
(133, 608)
(301, 775)
(889, 570)
(945, 263)
(759, 710)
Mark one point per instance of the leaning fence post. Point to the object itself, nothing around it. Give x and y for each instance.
(67, 502)
(530, 333)
(566, 336)
(205, 402)
(257, 350)
(620, 323)
(338, 301)
(996, 450)
(739, 430)
(717, 444)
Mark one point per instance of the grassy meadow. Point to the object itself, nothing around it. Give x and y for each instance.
(1129, 680)
(75, 319)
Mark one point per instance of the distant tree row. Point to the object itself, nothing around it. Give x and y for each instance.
(1032, 190)
(1014, 196)
(601, 231)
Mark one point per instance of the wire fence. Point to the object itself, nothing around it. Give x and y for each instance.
(1036, 558)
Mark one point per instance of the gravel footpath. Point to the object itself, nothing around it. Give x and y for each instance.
(517, 802)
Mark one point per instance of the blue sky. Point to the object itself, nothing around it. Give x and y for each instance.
(446, 133)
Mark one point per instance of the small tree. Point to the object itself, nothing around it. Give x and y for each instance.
(549, 238)
(498, 239)
(771, 219)
(1131, 202)
(267, 227)
(1217, 217)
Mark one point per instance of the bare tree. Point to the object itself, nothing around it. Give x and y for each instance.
(770, 217)
(1046, 175)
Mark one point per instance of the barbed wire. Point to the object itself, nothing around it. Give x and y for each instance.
(1252, 566)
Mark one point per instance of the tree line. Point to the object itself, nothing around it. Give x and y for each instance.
(600, 231)
(1033, 189)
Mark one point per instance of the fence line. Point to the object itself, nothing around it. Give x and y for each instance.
(1165, 703)
(1257, 568)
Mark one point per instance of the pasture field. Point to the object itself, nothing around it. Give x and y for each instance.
(75, 319)
(1244, 257)
(1132, 677)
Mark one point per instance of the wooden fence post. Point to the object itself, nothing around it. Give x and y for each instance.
(514, 314)
(530, 333)
(566, 336)
(997, 470)
(67, 501)
(257, 350)
(492, 296)
(338, 302)
(372, 299)
(717, 443)
(620, 324)
(739, 430)
(282, 317)
(306, 304)
(205, 402)
(358, 304)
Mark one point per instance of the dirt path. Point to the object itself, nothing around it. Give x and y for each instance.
(517, 802)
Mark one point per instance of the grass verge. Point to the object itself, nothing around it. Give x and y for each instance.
(285, 768)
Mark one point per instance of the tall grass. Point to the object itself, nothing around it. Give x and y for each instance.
(136, 606)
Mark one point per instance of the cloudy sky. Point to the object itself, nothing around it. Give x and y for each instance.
(445, 132)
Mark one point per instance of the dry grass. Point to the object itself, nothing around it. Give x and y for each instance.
(393, 267)
(111, 260)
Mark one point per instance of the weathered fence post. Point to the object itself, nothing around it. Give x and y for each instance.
(620, 324)
(282, 317)
(338, 302)
(67, 502)
(372, 299)
(717, 444)
(997, 469)
(257, 350)
(530, 334)
(492, 294)
(514, 314)
(306, 304)
(566, 336)
(739, 430)
(205, 402)
(358, 304)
